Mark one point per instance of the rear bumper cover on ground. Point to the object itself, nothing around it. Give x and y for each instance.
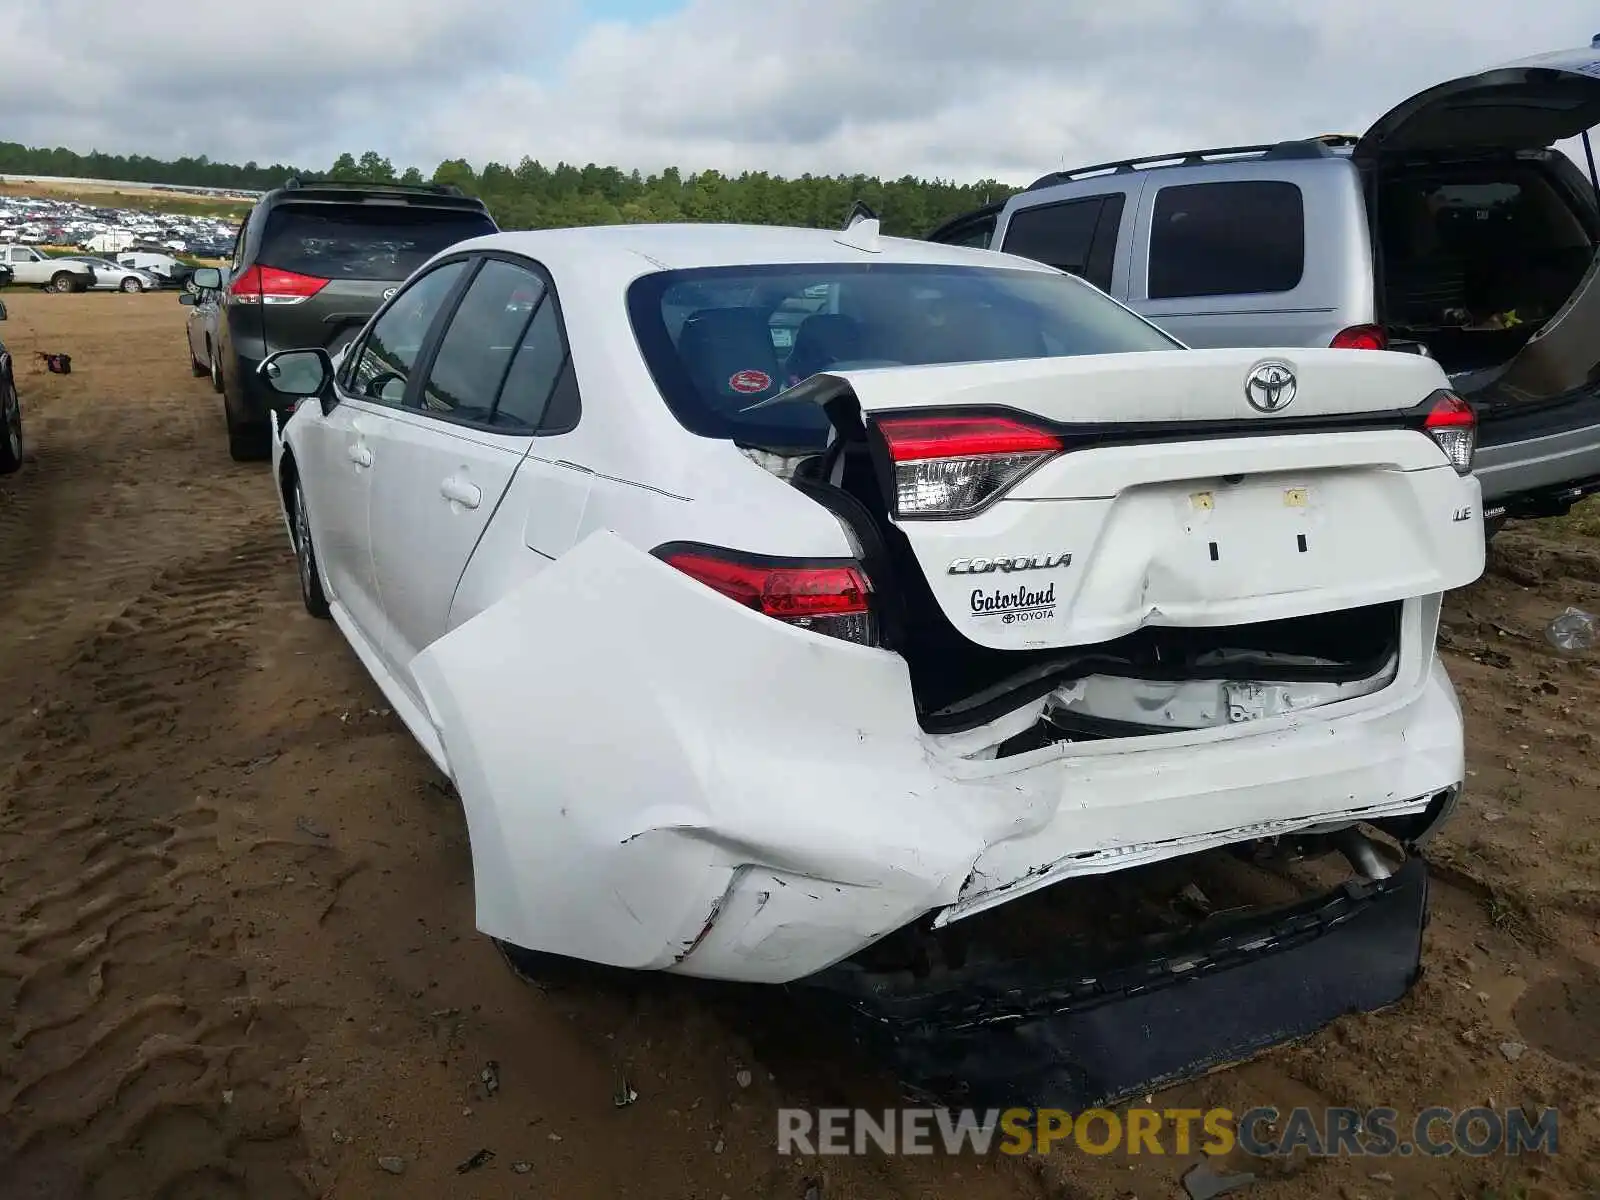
(674, 782)
(1075, 1034)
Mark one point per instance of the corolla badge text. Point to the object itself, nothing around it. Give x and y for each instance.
(1016, 562)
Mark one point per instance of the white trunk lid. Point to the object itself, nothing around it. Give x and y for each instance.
(1176, 501)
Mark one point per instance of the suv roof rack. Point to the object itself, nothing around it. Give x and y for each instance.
(1316, 147)
(362, 185)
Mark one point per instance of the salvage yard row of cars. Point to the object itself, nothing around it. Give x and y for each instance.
(772, 596)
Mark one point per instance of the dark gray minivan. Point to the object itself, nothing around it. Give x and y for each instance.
(312, 262)
(1451, 228)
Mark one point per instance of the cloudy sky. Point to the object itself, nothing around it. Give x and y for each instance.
(949, 88)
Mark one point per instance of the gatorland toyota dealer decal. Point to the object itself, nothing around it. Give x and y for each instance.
(1017, 604)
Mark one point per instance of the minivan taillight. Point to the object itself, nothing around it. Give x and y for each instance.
(830, 596)
(1361, 337)
(1453, 426)
(952, 465)
(269, 285)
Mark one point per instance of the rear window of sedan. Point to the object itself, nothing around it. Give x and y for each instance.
(719, 340)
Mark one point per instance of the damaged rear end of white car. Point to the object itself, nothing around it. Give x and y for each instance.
(1091, 619)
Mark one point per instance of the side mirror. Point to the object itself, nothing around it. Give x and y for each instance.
(188, 298)
(206, 277)
(298, 373)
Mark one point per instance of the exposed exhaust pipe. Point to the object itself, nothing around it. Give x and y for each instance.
(1363, 855)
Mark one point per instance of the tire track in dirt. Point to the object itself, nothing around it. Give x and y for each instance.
(135, 1058)
(140, 1063)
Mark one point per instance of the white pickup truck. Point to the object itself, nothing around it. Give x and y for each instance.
(32, 268)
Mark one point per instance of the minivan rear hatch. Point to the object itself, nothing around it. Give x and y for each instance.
(328, 258)
(1486, 237)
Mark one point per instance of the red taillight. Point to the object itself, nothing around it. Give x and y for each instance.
(1361, 337)
(269, 285)
(1453, 426)
(833, 598)
(952, 465)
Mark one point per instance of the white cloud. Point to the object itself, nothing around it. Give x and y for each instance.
(930, 87)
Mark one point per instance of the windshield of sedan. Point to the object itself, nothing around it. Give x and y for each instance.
(719, 340)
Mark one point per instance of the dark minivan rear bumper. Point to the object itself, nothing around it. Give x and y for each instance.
(1536, 459)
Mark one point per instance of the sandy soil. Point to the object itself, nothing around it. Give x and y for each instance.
(237, 956)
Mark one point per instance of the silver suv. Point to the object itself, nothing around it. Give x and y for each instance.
(1449, 228)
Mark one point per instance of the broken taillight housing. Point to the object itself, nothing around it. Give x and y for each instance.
(831, 597)
(1453, 426)
(270, 285)
(952, 465)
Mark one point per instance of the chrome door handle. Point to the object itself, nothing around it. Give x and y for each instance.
(360, 455)
(463, 493)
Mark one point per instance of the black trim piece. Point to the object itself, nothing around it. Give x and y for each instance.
(1080, 1027)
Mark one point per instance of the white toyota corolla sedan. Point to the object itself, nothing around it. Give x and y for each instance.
(764, 591)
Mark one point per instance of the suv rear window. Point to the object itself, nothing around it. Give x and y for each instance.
(719, 340)
(1227, 239)
(356, 241)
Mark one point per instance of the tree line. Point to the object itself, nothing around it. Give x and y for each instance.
(531, 195)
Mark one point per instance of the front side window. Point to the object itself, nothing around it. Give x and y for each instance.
(975, 234)
(381, 368)
(720, 340)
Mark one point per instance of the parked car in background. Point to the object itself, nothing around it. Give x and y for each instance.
(10, 411)
(312, 262)
(1450, 228)
(970, 583)
(204, 304)
(113, 277)
(35, 269)
(170, 271)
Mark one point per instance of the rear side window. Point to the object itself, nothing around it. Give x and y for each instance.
(356, 241)
(477, 347)
(1076, 236)
(534, 371)
(1227, 239)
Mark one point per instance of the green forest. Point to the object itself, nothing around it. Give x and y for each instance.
(531, 195)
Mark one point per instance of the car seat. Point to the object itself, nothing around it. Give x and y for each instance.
(728, 353)
(822, 340)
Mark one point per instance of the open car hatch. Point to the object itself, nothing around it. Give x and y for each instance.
(1524, 105)
(1507, 118)
(1066, 501)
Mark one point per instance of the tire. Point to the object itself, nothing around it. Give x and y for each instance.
(10, 430)
(216, 369)
(305, 553)
(1491, 527)
(63, 282)
(132, 286)
(247, 443)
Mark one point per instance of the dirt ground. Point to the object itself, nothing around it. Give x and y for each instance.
(237, 955)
